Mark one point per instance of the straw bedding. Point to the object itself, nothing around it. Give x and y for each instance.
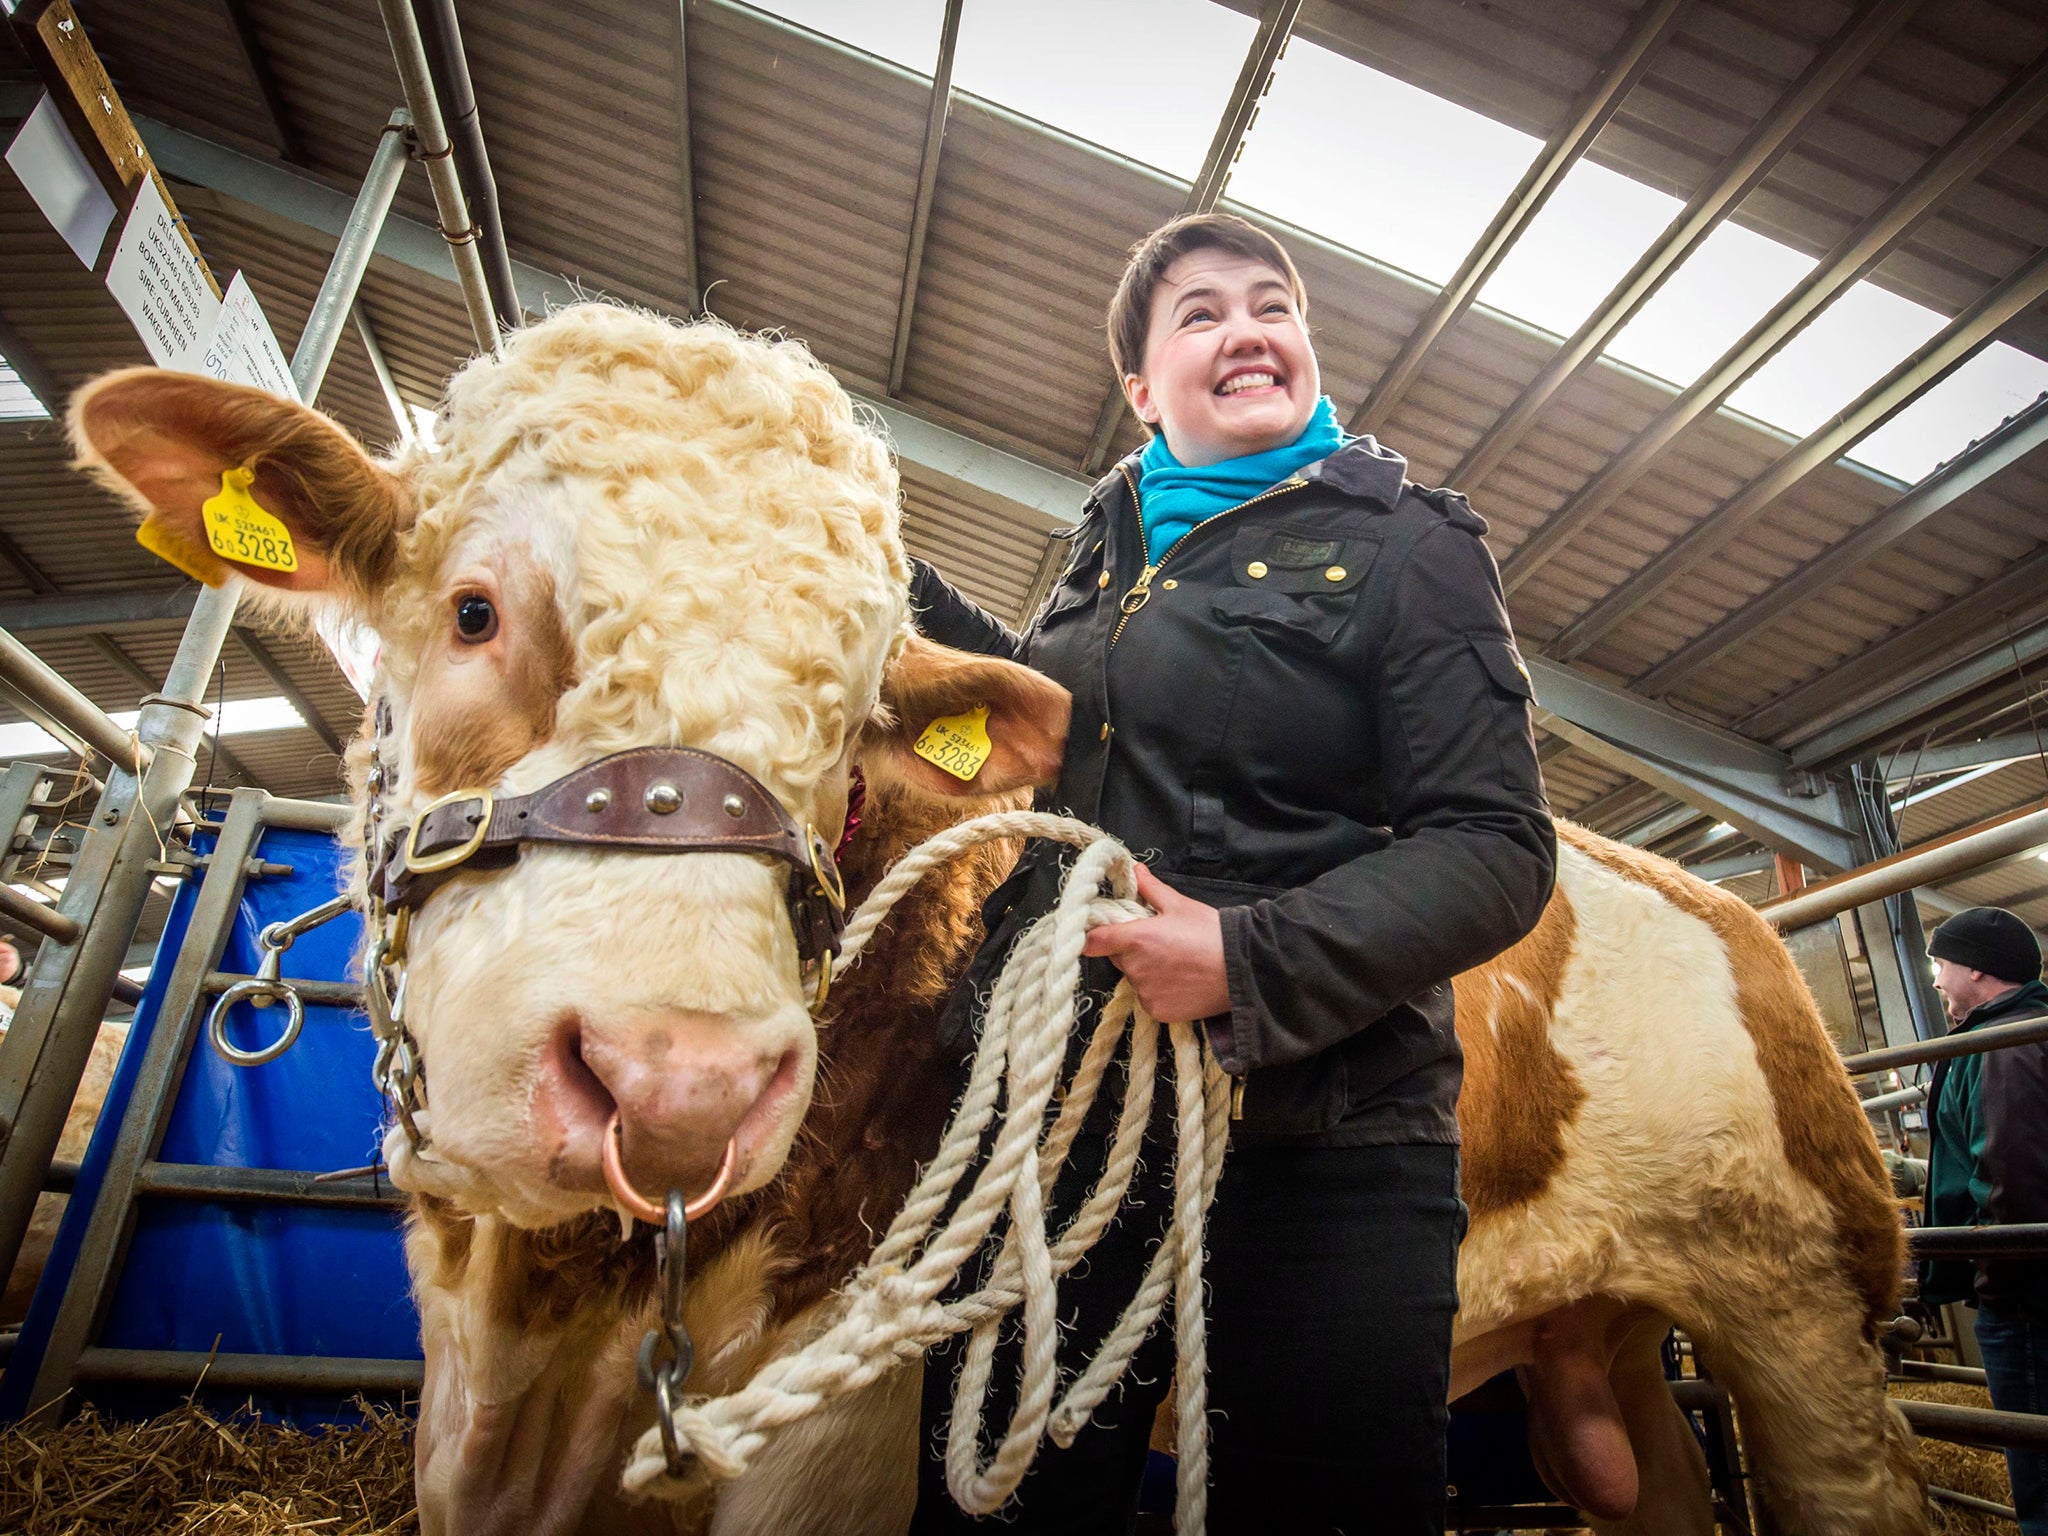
(189, 1473)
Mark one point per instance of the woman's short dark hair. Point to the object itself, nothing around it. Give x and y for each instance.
(1130, 312)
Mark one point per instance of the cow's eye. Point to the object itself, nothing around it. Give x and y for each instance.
(476, 620)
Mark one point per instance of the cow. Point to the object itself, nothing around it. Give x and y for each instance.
(637, 535)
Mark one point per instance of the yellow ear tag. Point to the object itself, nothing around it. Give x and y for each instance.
(957, 743)
(239, 529)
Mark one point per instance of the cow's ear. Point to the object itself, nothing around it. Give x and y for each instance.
(935, 695)
(233, 479)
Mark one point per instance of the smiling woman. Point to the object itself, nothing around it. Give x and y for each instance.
(1295, 685)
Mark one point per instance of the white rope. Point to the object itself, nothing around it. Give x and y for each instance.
(890, 1311)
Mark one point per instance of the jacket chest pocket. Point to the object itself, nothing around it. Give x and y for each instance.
(1080, 584)
(1295, 586)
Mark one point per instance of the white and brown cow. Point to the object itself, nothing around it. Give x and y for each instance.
(637, 533)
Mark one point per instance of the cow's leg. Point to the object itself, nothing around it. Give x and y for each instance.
(848, 1470)
(1676, 1497)
(1833, 1455)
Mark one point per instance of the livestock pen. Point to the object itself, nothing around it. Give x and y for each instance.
(1753, 651)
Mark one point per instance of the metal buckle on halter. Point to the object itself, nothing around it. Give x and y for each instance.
(832, 885)
(411, 859)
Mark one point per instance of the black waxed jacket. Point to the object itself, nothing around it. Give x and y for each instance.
(1312, 715)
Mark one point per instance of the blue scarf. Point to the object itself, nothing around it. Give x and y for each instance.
(1176, 498)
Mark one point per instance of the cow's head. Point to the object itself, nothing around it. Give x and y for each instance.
(633, 533)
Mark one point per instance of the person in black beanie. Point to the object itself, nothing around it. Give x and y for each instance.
(1988, 1162)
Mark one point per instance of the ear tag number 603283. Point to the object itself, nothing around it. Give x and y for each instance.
(957, 744)
(239, 529)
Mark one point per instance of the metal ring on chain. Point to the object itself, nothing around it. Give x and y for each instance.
(248, 991)
(637, 1205)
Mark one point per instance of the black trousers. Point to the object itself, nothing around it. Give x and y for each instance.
(1332, 1285)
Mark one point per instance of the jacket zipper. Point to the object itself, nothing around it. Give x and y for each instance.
(1141, 594)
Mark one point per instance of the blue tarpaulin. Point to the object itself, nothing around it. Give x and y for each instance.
(262, 1279)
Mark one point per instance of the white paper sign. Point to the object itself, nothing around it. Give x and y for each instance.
(58, 176)
(244, 349)
(159, 282)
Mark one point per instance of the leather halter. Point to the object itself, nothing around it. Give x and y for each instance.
(653, 799)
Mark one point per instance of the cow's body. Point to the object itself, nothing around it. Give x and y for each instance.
(681, 536)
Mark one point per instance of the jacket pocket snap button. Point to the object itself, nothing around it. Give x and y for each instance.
(1256, 569)
(1335, 573)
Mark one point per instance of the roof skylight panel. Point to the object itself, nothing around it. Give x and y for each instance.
(1998, 382)
(17, 401)
(1376, 164)
(1707, 305)
(237, 717)
(1846, 348)
(904, 32)
(1148, 79)
(1593, 229)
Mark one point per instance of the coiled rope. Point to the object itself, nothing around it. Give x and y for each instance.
(890, 1311)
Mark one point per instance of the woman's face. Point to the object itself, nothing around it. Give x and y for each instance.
(1228, 369)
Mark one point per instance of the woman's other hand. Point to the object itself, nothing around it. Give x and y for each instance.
(1174, 960)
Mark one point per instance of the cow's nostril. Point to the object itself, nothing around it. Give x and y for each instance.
(580, 1094)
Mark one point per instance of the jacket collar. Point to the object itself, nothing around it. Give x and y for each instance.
(2032, 995)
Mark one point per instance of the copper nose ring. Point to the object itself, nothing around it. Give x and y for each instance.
(637, 1205)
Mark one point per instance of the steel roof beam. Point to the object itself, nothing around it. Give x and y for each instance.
(1595, 107)
(1890, 718)
(29, 368)
(1276, 25)
(380, 366)
(1990, 456)
(1962, 159)
(1969, 754)
(1810, 95)
(2008, 603)
(59, 616)
(1959, 341)
(280, 679)
(1050, 498)
(1716, 772)
(264, 79)
(686, 175)
(927, 188)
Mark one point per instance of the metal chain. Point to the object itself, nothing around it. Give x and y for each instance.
(664, 1378)
(397, 1071)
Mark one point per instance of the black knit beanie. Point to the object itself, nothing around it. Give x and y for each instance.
(1991, 940)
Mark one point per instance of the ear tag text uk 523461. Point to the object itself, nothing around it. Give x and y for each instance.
(239, 529)
(958, 744)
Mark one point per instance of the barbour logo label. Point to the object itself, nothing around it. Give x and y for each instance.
(1297, 553)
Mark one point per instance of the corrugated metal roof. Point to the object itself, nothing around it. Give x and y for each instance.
(805, 158)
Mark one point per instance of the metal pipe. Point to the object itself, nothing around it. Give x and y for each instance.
(1895, 1100)
(1934, 1370)
(409, 52)
(314, 994)
(247, 1373)
(448, 68)
(351, 259)
(265, 1186)
(1928, 864)
(1987, 1427)
(380, 366)
(40, 916)
(1992, 1037)
(60, 708)
(1971, 1502)
(2009, 1240)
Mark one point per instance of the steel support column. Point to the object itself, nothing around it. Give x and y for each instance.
(1960, 340)
(1720, 774)
(1839, 62)
(337, 296)
(1276, 25)
(1975, 146)
(1602, 99)
(927, 187)
(380, 366)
